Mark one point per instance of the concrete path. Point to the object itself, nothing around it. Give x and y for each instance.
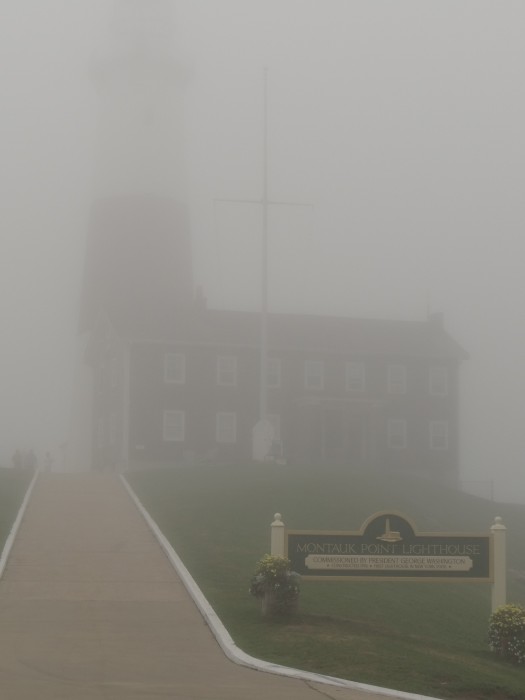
(90, 608)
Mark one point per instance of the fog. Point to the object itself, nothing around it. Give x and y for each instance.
(399, 123)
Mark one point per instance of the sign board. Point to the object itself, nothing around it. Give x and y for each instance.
(388, 547)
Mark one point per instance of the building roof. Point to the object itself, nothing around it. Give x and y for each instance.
(313, 333)
(139, 276)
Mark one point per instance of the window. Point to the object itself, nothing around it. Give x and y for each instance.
(438, 381)
(273, 375)
(113, 429)
(226, 427)
(314, 374)
(355, 376)
(174, 426)
(100, 432)
(397, 433)
(227, 370)
(175, 368)
(113, 372)
(397, 379)
(438, 435)
(101, 380)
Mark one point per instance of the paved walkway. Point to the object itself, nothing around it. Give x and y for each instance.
(90, 608)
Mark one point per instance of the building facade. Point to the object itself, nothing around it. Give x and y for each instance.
(363, 395)
(168, 380)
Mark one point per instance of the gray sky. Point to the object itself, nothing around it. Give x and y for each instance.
(400, 121)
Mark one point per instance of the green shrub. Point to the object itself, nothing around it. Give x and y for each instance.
(274, 579)
(507, 632)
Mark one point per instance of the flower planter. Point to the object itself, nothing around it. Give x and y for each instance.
(269, 604)
(276, 586)
(272, 605)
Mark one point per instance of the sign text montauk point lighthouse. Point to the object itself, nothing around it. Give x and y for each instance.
(389, 548)
(138, 265)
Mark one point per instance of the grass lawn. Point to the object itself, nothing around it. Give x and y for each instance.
(13, 486)
(428, 638)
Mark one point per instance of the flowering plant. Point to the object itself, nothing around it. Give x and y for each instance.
(273, 576)
(507, 632)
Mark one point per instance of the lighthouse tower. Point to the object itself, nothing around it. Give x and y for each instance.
(138, 257)
(138, 262)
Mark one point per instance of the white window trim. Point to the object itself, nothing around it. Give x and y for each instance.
(277, 365)
(100, 433)
(397, 428)
(113, 429)
(173, 430)
(359, 378)
(230, 360)
(317, 376)
(438, 432)
(438, 381)
(174, 368)
(397, 385)
(101, 380)
(226, 435)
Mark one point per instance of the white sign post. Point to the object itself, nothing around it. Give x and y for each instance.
(499, 548)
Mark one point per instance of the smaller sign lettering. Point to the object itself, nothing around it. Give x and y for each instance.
(363, 563)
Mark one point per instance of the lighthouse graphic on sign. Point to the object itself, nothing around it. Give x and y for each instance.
(390, 535)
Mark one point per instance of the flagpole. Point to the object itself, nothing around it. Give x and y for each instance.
(263, 389)
(264, 202)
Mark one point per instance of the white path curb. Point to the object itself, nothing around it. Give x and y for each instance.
(224, 639)
(14, 530)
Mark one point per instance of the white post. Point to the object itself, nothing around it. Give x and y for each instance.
(277, 548)
(499, 583)
(263, 389)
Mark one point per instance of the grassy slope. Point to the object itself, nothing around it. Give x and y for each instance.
(13, 486)
(426, 638)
